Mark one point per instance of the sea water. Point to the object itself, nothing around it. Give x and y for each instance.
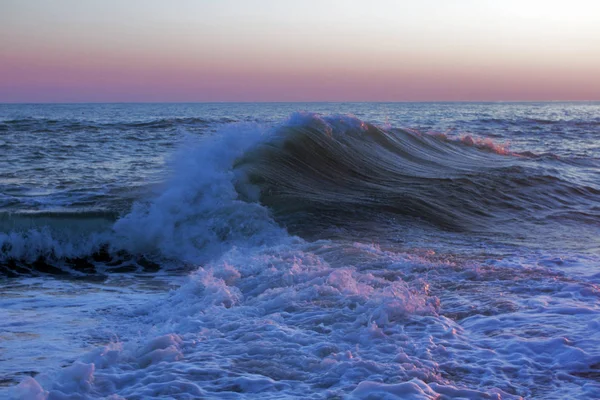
(290, 250)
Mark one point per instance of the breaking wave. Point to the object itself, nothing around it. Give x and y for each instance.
(248, 184)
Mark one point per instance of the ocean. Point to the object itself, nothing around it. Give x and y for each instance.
(300, 250)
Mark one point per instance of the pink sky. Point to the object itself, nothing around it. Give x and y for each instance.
(268, 50)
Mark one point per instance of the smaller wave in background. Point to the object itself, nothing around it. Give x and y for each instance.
(42, 125)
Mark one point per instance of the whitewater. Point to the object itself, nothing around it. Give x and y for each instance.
(288, 250)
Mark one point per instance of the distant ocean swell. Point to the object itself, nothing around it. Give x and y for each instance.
(39, 125)
(247, 183)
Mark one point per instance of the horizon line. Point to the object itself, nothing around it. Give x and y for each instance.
(292, 102)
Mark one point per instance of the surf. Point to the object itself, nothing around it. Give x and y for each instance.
(248, 183)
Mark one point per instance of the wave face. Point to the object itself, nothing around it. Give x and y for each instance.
(343, 167)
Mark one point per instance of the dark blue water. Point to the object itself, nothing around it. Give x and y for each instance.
(295, 250)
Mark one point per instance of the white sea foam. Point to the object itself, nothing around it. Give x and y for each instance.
(295, 318)
(197, 213)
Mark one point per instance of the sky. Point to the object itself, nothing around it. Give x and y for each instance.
(301, 50)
